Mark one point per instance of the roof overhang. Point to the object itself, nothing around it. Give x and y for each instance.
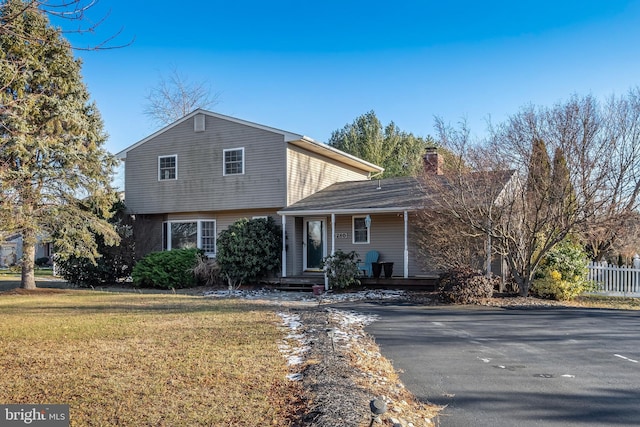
(321, 212)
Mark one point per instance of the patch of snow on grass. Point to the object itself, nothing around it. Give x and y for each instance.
(350, 325)
(325, 298)
(295, 343)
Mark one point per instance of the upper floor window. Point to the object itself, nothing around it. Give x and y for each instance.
(234, 161)
(360, 230)
(167, 167)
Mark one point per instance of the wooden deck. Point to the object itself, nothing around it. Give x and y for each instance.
(304, 283)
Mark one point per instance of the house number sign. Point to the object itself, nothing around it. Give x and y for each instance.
(342, 235)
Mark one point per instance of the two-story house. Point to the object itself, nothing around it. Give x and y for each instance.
(195, 177)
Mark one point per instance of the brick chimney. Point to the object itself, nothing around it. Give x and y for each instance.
(432, 161)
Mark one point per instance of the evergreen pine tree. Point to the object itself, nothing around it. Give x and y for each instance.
(539, 177)
(399, 152)
(562, 193)
(52, 164)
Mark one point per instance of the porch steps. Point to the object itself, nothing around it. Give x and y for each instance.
(299, 283)
(305, 283)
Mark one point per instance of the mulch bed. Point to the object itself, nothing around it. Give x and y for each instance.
(333, 399)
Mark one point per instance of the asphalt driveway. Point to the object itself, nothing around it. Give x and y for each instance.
(515, 367)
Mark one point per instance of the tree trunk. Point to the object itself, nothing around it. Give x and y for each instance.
(523, 288)
(28, 260)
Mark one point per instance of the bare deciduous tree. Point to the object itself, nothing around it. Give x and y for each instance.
(76, 11)
(175, 97)
(595, 184)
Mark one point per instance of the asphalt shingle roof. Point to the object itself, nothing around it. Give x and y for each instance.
(386, 194)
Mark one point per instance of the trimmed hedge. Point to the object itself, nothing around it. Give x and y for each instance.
(167, 269)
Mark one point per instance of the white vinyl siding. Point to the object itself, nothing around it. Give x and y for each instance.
(188, 234)
(167, 167)
(360, 232)
(233, 161)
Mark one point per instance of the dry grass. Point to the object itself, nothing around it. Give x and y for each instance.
(600, 301)
(381, 379)
(14, 275)
(144, 360)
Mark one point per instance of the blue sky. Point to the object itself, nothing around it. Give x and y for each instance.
(312, 67)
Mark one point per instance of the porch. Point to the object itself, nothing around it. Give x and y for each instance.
(305, 283)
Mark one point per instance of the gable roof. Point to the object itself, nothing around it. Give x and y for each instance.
(289, 137)
(386, 195)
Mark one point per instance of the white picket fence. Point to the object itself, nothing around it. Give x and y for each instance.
(614, 280)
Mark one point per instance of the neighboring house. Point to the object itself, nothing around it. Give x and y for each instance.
(195, 177)
(11, 250)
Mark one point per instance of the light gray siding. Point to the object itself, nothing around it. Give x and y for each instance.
(386, 237)
(201, 185)
(308, 173)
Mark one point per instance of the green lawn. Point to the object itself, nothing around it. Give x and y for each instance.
(135, 359)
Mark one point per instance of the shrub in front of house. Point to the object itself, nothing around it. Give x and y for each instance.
(207, 271)
(249, 250)
(463, 285)
(167, 269)
(563, 273)
(342, 269)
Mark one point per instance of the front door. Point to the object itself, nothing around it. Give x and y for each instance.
(314, 241)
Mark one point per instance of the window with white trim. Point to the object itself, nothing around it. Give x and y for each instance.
(360, 230)
(167, 167)
(233, 161)
(188, 234)
(208, 237)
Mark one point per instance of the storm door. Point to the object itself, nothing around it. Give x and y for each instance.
(314, 242)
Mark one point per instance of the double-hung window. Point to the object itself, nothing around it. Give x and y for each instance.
(167, 167)
(188, 234)
(360, 230)
(233, 161)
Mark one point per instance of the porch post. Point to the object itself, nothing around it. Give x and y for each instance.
(406, 244)
(333, 233)
(333, 247)
(284, 246)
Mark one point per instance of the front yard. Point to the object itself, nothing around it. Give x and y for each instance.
(134, 359)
